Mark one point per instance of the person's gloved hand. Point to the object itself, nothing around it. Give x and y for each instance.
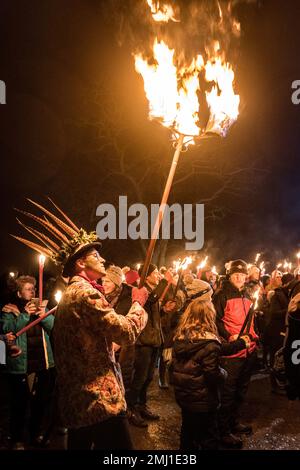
(139, 295)
(246, 340)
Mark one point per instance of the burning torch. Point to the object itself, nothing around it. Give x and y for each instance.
(172, 92)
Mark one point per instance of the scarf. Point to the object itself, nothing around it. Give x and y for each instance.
(94, 284)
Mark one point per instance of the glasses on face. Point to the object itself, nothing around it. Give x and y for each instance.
(95, 255)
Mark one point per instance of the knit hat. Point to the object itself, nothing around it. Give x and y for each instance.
(188, 279)
(132, 276)
(237, 266)
(115, 275)
(286, 278)
(265, 279)
(125, 270)
(198, 288)
(151, 268)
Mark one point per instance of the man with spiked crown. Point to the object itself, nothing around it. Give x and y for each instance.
(90, 394)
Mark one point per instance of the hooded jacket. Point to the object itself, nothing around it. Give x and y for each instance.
(232, 307)
(196, 373)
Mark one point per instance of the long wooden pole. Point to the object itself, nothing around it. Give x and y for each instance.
(161, 211)
(35, 322)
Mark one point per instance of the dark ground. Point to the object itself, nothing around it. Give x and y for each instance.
(275, 420)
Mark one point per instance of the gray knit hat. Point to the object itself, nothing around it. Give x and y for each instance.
(196, 287)
(115, 275)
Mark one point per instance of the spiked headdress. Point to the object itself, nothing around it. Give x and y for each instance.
(64, 241)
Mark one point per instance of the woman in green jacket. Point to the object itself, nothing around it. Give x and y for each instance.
(31, 374)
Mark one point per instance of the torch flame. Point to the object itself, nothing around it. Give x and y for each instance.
(202, 264)
(222, 101)
(257, 257)
(256, 297)
(287, 265)
(186, 262)
(214, 270)
(298, 255)
(182, 265)
(42, 260)
(58, 296)
(161, 13)
(262, 268)
(172, 91)
(176, 265)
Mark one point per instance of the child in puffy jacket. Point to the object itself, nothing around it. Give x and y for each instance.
(197, 376)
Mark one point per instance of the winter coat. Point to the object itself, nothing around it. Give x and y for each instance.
(85, 328)
(196, 373)
(152, 334)
(126, 355)
(124, 302)
(36, 349)
(169, 323)
(232, 306)
(277, 312)
(292, 344)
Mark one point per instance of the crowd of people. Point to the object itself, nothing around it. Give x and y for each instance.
(85, 367)
(206, 334)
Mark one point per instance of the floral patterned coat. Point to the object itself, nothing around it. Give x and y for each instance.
(85, 327)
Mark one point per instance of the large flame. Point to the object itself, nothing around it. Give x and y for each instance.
(256, 298)
(202, 264)
(172, 90)
(161, 13)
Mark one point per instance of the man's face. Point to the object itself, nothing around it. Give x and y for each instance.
(94, 264)
(238, 280)
(108, 285)
(153, 278)
(27, 291)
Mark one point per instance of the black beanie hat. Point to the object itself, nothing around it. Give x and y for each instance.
(265, 279)
(237, 266)
(286, 278)
(151, 268)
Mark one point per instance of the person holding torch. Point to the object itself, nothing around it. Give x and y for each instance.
(232, 303)
(90, 392)
(35, 360)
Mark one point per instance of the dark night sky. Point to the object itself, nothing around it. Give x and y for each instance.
(54, 54)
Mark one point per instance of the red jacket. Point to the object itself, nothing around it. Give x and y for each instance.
(232, 307)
